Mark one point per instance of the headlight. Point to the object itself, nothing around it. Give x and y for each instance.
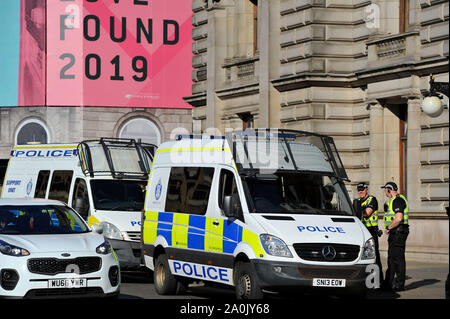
(104, 249)
(10, 250)
(274, 246)
(369, 249)
(110, 231)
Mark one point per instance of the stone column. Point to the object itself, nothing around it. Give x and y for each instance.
(413, 153)
(414, 15)
(391, 125)
(377, 151)
(383, 18)
(269, 57)
(6, 133)
(4, 125)
(217, 50)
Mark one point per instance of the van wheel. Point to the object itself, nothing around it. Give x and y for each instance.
(245, 282)
(166, 283)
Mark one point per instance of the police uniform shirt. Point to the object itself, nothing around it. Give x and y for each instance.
(398, 205)
(373, 204)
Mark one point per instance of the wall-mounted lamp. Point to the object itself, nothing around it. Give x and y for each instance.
(432, 104)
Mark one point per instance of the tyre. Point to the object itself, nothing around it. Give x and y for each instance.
(245, 282)
(166, 283)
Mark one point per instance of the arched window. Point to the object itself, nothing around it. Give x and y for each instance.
(140, 128)
(32, 131)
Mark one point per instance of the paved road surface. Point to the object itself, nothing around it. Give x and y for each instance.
(424, 281)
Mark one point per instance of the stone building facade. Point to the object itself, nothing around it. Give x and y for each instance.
(353, 69)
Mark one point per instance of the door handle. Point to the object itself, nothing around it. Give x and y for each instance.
(216, 223)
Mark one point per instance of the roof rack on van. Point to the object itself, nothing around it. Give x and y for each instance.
(289, 145)
(117, 157)
(263, 134)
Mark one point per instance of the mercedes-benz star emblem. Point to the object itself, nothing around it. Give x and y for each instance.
(328, 252)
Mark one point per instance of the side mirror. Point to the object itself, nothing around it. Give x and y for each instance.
(79, 204)
(81, 207)
(228, 206)
(97, 228)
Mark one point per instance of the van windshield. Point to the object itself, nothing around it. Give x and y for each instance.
(123, 195)
(297, 193)
(40, 219)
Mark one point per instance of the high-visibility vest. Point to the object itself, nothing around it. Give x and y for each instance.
(390, 214)
(373, 219)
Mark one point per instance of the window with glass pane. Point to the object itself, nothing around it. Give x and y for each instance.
(32, 133)
(188, 190)
(60, 185)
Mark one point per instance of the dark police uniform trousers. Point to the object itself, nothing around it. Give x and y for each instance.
(396, 272)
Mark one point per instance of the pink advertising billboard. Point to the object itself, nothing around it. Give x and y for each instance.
(32, 57)
(111, 53)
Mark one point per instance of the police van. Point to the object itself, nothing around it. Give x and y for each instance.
(260, 210)
(103, 180)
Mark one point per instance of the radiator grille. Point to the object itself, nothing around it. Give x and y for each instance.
(134, 235)
(53, 266)
(314, 252)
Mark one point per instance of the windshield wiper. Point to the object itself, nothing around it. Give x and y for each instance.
(337, 212)
(308, 208)
(297, 211)
(125, 208)
(290, 153)
(10, 232)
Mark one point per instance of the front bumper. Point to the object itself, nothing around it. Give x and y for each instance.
(272, 275)
(100, 283)
(128, 253)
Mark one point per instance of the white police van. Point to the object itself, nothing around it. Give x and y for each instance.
(258, 210)
(103, 180)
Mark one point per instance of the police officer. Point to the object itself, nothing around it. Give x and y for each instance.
(397, 227)
(367, 207)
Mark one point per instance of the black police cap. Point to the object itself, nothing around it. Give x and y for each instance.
(362, 186)
(390, 185)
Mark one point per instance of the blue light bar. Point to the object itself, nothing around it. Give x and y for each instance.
(267, 134)
(203, 137)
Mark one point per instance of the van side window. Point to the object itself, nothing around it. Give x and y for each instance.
(80, 200)
(60, 185)
(228, 187)
(188, 190)
(41, 184)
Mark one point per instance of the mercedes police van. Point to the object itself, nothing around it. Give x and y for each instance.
(103, 180)
(261, 210)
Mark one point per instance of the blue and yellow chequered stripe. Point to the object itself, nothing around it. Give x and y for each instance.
(198, 232)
